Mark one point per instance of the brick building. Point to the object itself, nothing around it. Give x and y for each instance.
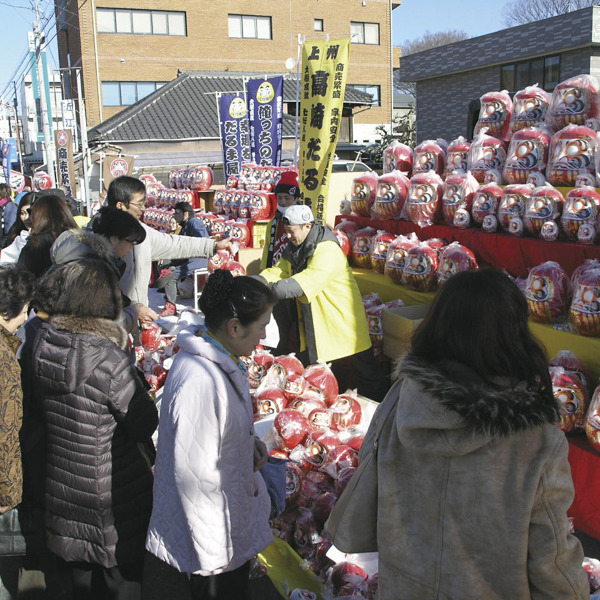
(130, 48)
(449, 78)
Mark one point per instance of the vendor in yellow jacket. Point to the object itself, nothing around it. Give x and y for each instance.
(331, 321)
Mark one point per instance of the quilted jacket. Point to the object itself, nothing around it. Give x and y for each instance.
(211, 509)
(474, 487)
(11, 414)
(99, 420)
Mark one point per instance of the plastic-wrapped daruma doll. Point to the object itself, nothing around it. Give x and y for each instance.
(430, 155)
(364, 189)
(421, 267)
(454, 258)
(582, 206)
(361, 247)
(572, 151)
(457, 157)
(513, 204)
(572, 398)
(392, 190)
(592, 420)
(527, 153)
(396, 256)
(548, 292)
(486, 202)
(495, 114)
(487, 153)
(398, 157)
(545, 205)
(529, 108)
(379, 249)
(459, 191)
(424, 198)
(574, 101)
(585, 308)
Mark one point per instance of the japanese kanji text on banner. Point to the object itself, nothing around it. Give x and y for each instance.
(324, 71)
(265, 110)
(235, 133)
(63, 138)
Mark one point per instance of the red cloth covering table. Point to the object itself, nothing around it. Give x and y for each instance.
(585, 469)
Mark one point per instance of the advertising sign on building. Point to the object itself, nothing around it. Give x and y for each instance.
(235, 133)
(324, 73)
(265, 113)
(115, 166)
(63, 140)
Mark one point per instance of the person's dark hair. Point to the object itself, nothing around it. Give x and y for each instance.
(226, 297)
(479, 319)
(121, 189)
(17, 289)
(186, 208)
(49, 214)
(5, 191)
(110, 221)
(19, 224)
(84, 288)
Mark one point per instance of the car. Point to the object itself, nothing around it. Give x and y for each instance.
(349, 166)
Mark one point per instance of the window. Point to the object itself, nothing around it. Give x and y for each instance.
(144, 22)
(318, 24)
(364, 33)
(249, 26)
(124, 93)
(373, 90)
(543, 71)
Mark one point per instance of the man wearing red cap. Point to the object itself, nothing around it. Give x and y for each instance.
(287, 192)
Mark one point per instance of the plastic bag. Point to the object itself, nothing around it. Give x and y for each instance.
(392, 190)
(424, 199)
(573, 102)
(487, 153)
(548, 292)
(495, 115)
(529, 108)
(572, 151)
(527, 153)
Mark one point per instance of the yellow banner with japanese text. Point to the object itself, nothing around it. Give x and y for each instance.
(324, 74)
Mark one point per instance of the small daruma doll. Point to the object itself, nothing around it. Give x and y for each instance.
(572, 399)
(512, 205)
(585, 308)
(454, 258)
(486, 202)
(457, 157)
(361, 247)
(548, 292)
(398, 157)
(582, 206)
(529, 108)
(486, 154)
(572, 152)
(424, 198)
(364, 189)
(527, 153)
(396, 256)
(495, 114)
(545, 205)
(379, 249)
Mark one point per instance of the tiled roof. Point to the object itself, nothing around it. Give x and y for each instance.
(186, 109)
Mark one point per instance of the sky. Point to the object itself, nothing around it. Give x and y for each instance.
(410, 20)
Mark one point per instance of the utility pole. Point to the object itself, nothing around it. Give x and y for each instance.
(39, 42)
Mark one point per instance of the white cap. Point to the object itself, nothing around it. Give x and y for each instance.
(299, 214)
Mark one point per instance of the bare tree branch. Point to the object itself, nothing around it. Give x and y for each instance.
(432, 40)
(520, 12)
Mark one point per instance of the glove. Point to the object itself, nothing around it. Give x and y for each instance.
(287, 288)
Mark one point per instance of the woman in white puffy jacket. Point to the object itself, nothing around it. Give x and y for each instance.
(211, 506)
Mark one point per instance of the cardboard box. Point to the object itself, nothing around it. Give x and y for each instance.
(398, 325)
(249, 258)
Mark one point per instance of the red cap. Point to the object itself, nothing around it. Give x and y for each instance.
(288, 184)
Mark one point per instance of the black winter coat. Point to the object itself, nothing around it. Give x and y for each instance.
(99, 421)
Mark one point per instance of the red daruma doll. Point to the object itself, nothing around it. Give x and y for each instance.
(361, 247)
(581, 210)
(457, 157)
(548, 292)
(529, 108)
(424, 198)
(421, 268)
(585, 308)
(495, 114)
(364, 189)
(592, 420)
(459, 191)
(527, 153)
(512, 205)
(486, 154)
(486, 202)
(572, 398)
(396, 256)
(574, 101)
(430, 155)
(572, 151)
(453, 259)
(392, 190)
(379, 249)
(398, 157)
(545, 205)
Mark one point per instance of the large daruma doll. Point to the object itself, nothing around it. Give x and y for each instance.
(572, 399)
(545, 205)
(495, 114)
(396, 256)
(487, 154)
(457, 157)
(512, 205)
(529, 108)
(455, 258)
(398, 157)
(364, 189)
(379, 249)
(585, 307)
(392, 190)
(459, 191)
(424, 198)
(486, 202)
(430, 155)
(548, 291)
(574, 101)
(582, 206)
(361, 247)
(527, 153)
(572, 152)
(421, 268)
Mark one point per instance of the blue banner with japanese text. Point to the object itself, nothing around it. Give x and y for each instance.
(235, 133)
(265, 113)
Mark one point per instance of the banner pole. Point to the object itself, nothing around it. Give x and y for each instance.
(297, 136)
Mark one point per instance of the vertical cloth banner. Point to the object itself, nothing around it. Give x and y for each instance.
(235, 133)
(63, 139)
(9, 156)
(115, 166)
(265, 114)
(324, 74)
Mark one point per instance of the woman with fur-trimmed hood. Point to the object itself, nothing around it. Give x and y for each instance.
(474, 482)
(98, 423)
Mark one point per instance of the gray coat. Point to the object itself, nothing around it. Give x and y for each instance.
(158, 246)
(474, 487)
